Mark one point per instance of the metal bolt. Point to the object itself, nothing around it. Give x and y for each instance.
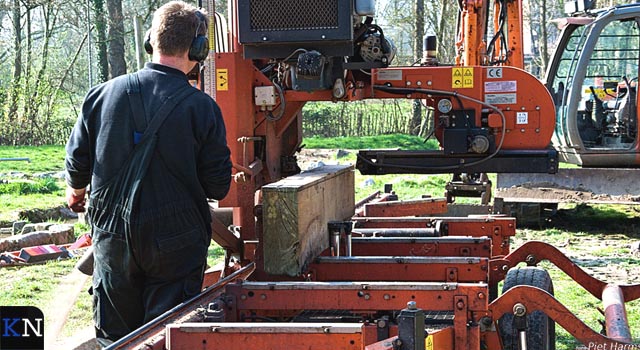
(505, 267)
(522, 108)
(386, 297)
(519, 309)
(381, 323)
(537, 130)
(243, 297)
(263, 296)
(522, 130)
(537, 108)
(367, 296)
(445, 286)
(460, 304)
(530, 259)
(412, 305)
(419, 83)
(429, 83)
(408, 83)
(481, 295)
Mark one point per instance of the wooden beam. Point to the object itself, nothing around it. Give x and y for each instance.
(296, 212)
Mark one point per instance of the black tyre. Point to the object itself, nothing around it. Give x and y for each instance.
(541, 330)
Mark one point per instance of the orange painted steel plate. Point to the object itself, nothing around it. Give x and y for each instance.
(406, 208)
(427, 246)
(308, 336)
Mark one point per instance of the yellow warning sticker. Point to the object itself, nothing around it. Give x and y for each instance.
(456, 78)
(462, 78)
(467, 77)
(428, 343)
(222, 79)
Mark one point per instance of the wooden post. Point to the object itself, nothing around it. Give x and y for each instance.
(296, 212)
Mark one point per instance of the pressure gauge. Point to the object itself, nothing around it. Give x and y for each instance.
(444, 106)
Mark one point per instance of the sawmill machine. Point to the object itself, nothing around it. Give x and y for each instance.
(308, 268)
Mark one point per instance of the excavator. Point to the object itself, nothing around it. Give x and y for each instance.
(308, 268)
(593, 78)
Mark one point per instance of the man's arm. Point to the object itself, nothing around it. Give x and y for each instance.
(78, 158)
(214, 163)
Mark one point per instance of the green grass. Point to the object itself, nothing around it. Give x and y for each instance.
(18, 188)
(10, 205)
(38, 193)
(26, 285)
(42, 158)
(394, 141)
(34, 285)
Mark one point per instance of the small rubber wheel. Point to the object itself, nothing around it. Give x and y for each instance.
(541, 330)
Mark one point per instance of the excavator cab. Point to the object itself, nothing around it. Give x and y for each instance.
(593, 78)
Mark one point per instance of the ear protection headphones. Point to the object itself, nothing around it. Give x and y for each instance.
(199, 49)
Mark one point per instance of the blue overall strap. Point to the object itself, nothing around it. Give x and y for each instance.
(137, 107)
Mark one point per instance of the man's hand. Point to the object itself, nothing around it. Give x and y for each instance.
(75, 199)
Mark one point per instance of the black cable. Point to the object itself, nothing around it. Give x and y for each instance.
(499, 35)
(283, 104)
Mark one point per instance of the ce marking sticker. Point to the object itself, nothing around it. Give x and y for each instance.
(494, 73)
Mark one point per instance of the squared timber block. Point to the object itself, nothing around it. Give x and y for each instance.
(296, 211)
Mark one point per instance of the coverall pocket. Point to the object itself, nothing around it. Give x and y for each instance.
(180, 254)
(179, 241)
(97, 294)
(109, 250)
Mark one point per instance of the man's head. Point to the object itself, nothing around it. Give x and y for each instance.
(175, 29)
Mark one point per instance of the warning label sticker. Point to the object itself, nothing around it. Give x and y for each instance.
(522, 118)
(222, 79)
(500, 99)
(462, 78)
(501, 86)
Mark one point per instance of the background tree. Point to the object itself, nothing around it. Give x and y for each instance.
(101, 40)
(117, 65)
(416, 120)
(543, 33)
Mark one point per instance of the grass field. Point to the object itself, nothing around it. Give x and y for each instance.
(595, 237)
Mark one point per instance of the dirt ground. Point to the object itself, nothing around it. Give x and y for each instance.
(561, 195)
